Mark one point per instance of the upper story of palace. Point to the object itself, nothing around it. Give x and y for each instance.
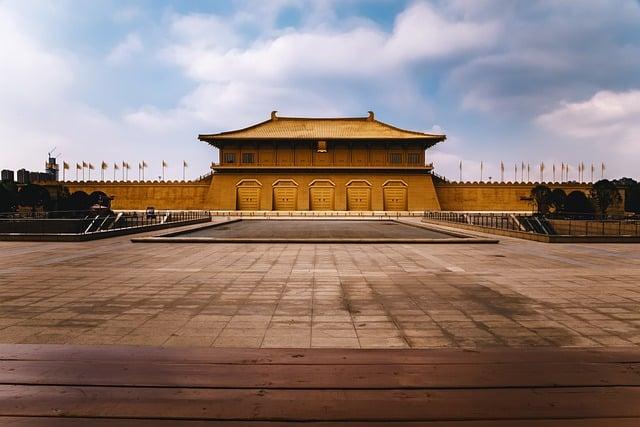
(340, 143)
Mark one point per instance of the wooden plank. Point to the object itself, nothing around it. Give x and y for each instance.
(314, 356)
(320, 405)
(120, 422)
(155, 374)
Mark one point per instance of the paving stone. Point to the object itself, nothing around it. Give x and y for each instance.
(516, 293)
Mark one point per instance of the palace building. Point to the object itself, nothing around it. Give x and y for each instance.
(322, 164)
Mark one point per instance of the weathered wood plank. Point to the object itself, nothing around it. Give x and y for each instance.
(320, 405)
(314, 356)
(155, 374)
(115, 422)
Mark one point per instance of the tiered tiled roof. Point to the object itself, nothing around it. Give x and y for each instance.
(303, 128)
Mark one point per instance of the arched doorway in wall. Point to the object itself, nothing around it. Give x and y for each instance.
(359, 195)
(394, 192)
(285, 195)
(248, 195)
(322, 195)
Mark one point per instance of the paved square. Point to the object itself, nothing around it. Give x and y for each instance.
(516, 293)
(317, 228)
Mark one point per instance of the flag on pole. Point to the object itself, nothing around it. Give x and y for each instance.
(164, 165)
(460, 170)
(65, 167)
(115, 168)
(184, 168)
(522, 172)
(528, 172)
(501, 171)
(481, 170)
(143, 166)
(593, 168)
(602, 168)
(515, 172)
(541, 171)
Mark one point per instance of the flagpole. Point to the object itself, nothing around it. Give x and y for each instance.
(184, 170)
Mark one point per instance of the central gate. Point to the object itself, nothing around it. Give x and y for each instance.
(321, 195)
(285, 195)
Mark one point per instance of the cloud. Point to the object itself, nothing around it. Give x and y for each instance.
(125, 50)
(549, 51)
(207, 47)
(607, 118)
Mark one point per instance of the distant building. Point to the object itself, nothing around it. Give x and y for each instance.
(23, 176)
(52, 169)
(7, 175)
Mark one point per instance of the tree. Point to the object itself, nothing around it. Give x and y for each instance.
(631, 189)
(79, 201)
(7, 198)
(603, 194)
(541, 195)
(33, 196)
(558, 200)
(578, 203)
(100, 198)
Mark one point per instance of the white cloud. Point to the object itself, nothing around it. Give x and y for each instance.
(206, 47)
(126, 49)
(607, 118)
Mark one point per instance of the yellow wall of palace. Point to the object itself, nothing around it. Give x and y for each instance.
(139, 195)
(220, 192)
(474, 196)
(269, 187)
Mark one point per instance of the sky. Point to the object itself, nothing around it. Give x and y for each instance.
(507, 81)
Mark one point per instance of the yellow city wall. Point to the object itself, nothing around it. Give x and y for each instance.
(139, 195)
(219, 193)
(482, 196)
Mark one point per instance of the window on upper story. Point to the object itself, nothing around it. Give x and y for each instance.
(248, 157)
(229, 157)
(414, 158)
(395, 158)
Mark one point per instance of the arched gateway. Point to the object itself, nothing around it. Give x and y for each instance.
(355, 163)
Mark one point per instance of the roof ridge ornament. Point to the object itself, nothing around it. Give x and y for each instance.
(273, 115)
(371, 116)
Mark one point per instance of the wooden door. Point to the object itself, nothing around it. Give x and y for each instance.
(358, 198)
(284, 198)
(321, 198)
(395, 198)
(248, 199)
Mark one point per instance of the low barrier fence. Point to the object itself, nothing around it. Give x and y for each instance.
(97, 223)
(374, 214)
(540, 225)
(492, 220)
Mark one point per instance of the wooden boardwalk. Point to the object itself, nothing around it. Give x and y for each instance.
(58, 385)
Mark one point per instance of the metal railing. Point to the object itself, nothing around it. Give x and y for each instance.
(491, 220)
(540, 224)
(97, 223)
(298, 214)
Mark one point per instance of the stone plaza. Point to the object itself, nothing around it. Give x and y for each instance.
(516, 293)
